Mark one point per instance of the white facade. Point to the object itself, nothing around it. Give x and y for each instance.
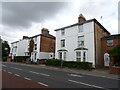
(19, 48)
(36, 54)
(71, 43)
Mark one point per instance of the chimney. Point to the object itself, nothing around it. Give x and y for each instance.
(81, 18)
(44, 30)
(25, 37)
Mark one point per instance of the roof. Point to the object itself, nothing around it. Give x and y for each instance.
(62, 50)
(45, 35)
(87, 21)
(81, 48)
(14, 42)
(111, 36)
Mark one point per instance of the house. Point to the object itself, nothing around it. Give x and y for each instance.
(43, 46)
(108, 43)
(81, 41)
(20, 48)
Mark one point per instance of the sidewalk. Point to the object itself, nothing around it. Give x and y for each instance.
(13, 81)
(96, 72)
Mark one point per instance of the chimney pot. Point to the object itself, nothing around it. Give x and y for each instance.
(81, 18)
(45, 30)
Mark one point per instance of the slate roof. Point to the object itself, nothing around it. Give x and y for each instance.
(45, 35)
(87, 21)
(111, 36)
(81, 48)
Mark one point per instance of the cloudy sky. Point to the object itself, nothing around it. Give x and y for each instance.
(27, 18)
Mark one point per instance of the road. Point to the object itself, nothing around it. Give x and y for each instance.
(59, 79)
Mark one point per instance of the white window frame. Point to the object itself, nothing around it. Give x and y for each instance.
(80, 29)
(60, 55)
(109, 42)
(84, 57)
(63, 43)
(64, 55)
(80, 41)
(78, 56)
(63, 32)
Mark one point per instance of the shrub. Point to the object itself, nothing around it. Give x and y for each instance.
(115, 53)
(54, 62)
(21, 58)
(70, 64)
(4, 58)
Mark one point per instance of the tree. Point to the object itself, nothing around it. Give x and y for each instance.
(31, 46)
(115, 53)
(5, 49)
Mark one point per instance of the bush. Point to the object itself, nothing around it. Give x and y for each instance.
(115, 53)
(54, 62)
(70, 64)
(4, 58)
(21, 58)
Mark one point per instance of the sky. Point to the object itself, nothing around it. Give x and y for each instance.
(18, 18)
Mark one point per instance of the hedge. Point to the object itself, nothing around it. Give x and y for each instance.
(4, 58)
(21, 58)
(70, 64)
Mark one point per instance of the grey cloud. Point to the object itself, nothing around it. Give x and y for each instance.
(22, 14)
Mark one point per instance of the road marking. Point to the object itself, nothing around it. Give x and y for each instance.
(39, 73)
(87, 84)
(44, 74)
(10, 72)
(17, 75)
(34, 72)
(16, 68)
(27, 78)
(4, 65)
(75, 75)
(100, 76)
(43, 84)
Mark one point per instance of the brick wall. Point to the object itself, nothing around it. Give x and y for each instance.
(105, 48)
(47, 44)
(98, 34)
(113, 69)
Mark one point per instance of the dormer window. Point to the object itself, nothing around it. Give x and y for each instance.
(63, 32)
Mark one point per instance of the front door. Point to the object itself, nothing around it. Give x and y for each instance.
(106, 59)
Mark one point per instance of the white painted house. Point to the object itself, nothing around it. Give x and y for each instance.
(80, 41)
(44, 46)
(20, 48)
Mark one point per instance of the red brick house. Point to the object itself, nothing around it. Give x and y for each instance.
(108, 43)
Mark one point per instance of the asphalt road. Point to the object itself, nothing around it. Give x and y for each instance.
(59, 79)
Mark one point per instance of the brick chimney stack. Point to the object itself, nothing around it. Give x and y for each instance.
(44, 30)
(25, 37)
(81, 18)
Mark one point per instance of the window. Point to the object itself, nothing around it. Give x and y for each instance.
(80, 41)
(35, 46)
(80, 28)
(64, 55)
(62, 43)
(35, 56)
(35, 39)
(63, 32)
(84, 56)
(78, 56)
(110, 42)
(60, 55)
